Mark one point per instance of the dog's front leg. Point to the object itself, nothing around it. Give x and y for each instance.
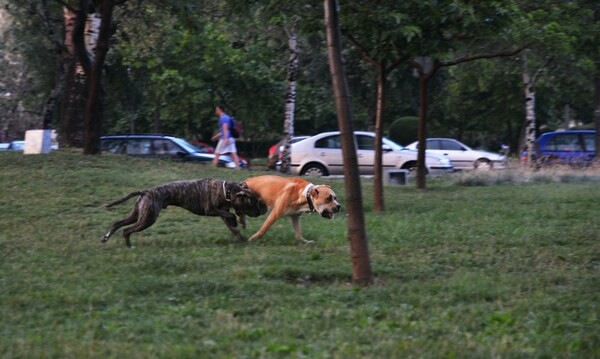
(273, 216)
(242, 218)
(297, 231)
(231, 223)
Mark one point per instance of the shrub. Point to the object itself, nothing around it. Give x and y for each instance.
(404, 130)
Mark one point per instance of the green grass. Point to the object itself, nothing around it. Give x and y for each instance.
(466, 269)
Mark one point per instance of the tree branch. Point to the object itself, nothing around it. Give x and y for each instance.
(362, 49)
(460, 60)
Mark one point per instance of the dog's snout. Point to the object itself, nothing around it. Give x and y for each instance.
(338, 208)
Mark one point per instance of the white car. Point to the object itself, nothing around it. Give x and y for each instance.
(461, 155)
(321, 155)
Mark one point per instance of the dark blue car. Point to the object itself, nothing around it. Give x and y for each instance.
(574, 147)
(157, 145)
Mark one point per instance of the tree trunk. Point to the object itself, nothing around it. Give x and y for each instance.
(94, 113)
(422, 132)
(597, 109)
(290, 100)
(530, 126)
(72, 111)
(378, 200)
(361, 264)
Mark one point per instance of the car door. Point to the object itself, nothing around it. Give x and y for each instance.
(365, 153)
(328, 150)
(460, 157)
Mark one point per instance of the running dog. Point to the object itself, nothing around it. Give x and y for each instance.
(291, 197)
(204, 197)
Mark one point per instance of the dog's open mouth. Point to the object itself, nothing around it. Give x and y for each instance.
(327, 214)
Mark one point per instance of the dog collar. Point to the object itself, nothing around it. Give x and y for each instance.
(227, 194)
(311, 206)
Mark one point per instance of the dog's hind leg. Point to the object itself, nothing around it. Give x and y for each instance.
(147, 215)
(131, 218)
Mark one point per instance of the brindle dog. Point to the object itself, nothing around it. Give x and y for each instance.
(204, 197)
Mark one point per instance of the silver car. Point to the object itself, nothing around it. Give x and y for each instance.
(461, 155)
(321, 155)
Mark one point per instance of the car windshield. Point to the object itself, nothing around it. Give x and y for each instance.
(392, 144)
(186, 145)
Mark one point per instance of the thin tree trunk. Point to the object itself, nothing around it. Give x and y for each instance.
(422, 132)
(597, 109)
(530, 126)
(378, 200)
(290, 100)
(361, 264)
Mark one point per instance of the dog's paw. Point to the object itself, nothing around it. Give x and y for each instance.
(306, 241)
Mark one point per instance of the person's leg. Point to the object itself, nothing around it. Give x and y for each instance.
(218, 150)
(236, 159)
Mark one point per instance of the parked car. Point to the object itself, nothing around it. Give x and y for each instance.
(321, 155)
(573, 147)
(16, 146)
(205, 147)
(462, 156)
(156, 145)
(276, 151)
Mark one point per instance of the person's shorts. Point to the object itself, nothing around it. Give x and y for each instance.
(223, 148)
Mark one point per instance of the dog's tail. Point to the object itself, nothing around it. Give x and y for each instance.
(132, 194)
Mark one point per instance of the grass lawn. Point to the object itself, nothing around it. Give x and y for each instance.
(466, 269)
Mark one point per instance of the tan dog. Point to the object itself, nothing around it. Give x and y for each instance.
(291, 197)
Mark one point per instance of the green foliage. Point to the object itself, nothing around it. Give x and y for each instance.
(171, 61)
(404, 130)
(509, 271)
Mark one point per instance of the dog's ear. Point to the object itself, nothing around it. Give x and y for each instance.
(314, 192)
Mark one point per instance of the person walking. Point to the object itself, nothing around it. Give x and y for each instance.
(226, 144)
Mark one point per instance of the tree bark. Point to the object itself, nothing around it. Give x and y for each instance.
(361, 264)
(290, 100)
(530, 120)
(597, 110)
(378, 200)
(94, 113)
(73, 102)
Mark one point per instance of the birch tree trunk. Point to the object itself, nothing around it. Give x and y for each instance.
(530, 126)
(72, 112)
(597, 110)
(95, 105)
(361, 264)
(290, 99)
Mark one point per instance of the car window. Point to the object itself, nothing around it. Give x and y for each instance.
(165, 147)
(114, 145)
(139, 146)
(450, 146)
(433, 145)
(568, 142)
(365, 142)
(589, 141)
(332, 142)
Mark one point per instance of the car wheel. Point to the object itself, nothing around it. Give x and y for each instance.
(411, 167)
(314, 170)
(482, 164)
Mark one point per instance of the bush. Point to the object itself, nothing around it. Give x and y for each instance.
(404, 130)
